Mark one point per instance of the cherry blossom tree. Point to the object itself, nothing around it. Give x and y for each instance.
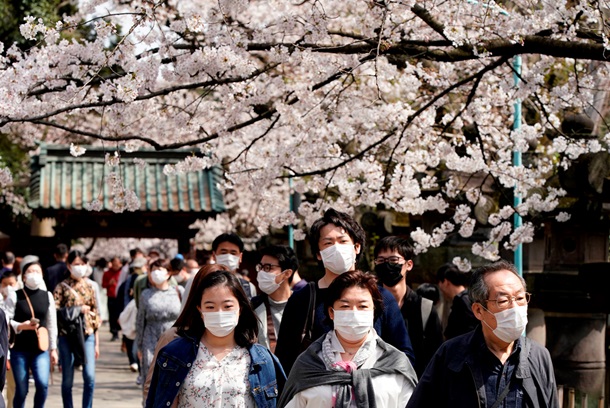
(402, 104)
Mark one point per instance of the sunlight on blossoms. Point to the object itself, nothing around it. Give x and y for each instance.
(462, 264)
(76, 150)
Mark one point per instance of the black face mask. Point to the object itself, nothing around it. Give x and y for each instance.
(389, 274)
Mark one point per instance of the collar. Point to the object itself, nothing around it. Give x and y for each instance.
(259, 356)
(471, 344)
(274, 302)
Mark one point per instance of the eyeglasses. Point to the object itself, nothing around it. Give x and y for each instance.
(266, 267)
(504, 301)
(391, 259)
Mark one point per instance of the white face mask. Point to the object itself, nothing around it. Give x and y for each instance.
(221, 323)
(193, 271)
(353, 325)
(78, 271)
(339, 258)
(89, 271)
(159, 276)
(510, 323)
(266, 282)
(33, 281)
(228, 260)
(7, 290)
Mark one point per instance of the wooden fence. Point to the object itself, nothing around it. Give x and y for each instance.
(572, 398)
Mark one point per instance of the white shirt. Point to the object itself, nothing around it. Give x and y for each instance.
(391, 390)
(218, 384)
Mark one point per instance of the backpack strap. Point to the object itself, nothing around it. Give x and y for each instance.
(426, 311)
(307, 336)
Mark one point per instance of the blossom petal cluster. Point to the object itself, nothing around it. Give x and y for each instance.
(406, 106)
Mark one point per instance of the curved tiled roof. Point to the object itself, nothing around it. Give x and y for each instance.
(61, 181)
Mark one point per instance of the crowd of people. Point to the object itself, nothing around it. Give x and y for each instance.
(206, 336)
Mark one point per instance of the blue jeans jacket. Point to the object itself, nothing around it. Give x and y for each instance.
(174, 361)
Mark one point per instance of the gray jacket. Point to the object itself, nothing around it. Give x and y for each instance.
(450, 380)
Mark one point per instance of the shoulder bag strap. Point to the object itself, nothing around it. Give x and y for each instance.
(308, 331)
(505, 391)
(29, 303)
(76, 294)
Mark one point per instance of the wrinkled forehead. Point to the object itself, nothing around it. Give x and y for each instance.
(503, 282)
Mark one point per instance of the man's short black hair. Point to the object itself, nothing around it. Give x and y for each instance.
(395, 243)
(176, 264)
(228, 237)
(451, 272)
(340, 219)
(10, 273)
(8, 258)
(133, 252)
(61, 250)
(429, 291)
(285, 256)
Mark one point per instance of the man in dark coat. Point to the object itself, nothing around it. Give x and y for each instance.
(58, 272)
(493, 365)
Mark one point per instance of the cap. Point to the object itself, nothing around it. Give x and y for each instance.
(26, 261)
(139, 262)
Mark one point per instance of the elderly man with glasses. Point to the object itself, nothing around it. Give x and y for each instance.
(493, 365)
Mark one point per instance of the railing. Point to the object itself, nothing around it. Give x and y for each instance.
(569, 396)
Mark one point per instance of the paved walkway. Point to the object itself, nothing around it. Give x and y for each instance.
(115, 384)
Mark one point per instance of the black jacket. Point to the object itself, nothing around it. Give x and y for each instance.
(55, 274)
(461, 319)
(453, 377)
(425, 340)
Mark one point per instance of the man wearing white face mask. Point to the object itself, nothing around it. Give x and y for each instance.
(336, 240)
(274, 275)
(227, 250)
(493, 365)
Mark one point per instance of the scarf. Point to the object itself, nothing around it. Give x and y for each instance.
(310, 371)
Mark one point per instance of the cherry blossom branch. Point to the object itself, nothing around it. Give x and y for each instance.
(427, 18)
(446, 91)
(151, 95)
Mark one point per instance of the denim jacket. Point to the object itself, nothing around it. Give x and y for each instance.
(174, 361)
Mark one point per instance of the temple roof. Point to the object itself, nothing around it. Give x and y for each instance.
(61, 181)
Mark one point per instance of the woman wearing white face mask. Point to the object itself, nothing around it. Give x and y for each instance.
(328, 373)
(158, 310)
(215, 361)
(78, 321)
(32, 307)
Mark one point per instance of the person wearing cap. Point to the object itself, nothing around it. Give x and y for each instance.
(29, 309)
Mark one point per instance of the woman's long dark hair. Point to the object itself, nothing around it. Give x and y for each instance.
(190, 321)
